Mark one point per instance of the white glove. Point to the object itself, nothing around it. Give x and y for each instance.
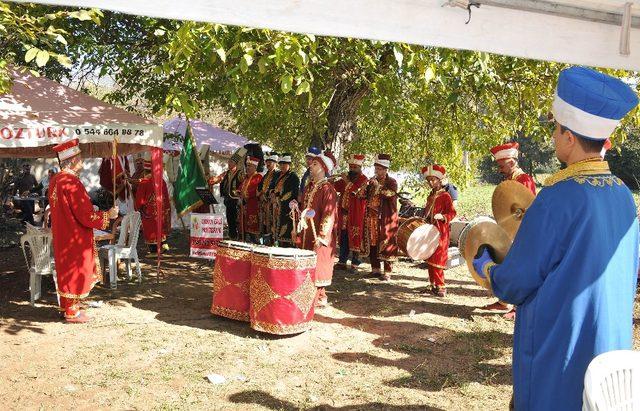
(438, 217)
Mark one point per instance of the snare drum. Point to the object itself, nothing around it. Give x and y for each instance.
(231, 276)
(457, 226)
(418, 239)
(282, 290)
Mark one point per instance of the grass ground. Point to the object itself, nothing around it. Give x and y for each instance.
(150, 346)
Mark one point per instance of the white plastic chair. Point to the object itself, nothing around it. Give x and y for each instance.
(125, 249)
(41, 261)
(612, 382)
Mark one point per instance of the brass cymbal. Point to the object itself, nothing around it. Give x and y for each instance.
(509, 202)
(490, 233)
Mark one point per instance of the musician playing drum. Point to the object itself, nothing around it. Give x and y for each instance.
(506, 157)
(438, 211)
(573, 263)
(381, 224)
(319, 220)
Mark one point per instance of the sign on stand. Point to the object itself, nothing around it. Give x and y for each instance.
(206, 232)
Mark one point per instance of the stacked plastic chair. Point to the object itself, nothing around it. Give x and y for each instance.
(612, 382)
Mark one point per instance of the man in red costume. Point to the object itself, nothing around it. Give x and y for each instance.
(121, 171)
(353, 207)
(506, 156)
(319, 221)
(250, 206)
(72, 223)
(146, 204)
(381, 224)
(438, 211)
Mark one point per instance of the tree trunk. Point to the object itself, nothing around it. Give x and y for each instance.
(342, 117)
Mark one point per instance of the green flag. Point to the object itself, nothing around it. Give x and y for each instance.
(191, 176)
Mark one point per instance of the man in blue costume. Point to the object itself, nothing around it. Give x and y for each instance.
(572, 267)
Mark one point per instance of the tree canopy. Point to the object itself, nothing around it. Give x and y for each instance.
(290, 90)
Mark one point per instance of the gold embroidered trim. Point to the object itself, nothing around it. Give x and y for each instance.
(300, 263)
(234, 253)
(261, 293)
(219, 282)
(588, 167)
(229, 313)
(326, 226)
(105, 220)
(54, 196)
(304, 296)
(279, 329)
(599, 181)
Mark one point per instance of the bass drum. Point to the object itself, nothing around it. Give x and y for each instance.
(417, 239)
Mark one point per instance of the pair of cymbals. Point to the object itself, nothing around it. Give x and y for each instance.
(487, 233)
(509, 203)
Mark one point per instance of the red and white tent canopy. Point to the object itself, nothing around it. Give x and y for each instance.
(39, 113)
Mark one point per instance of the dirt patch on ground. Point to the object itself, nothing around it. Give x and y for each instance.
(150, 346)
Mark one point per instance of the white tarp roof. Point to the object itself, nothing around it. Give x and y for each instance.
(38, 113)
(498, 26)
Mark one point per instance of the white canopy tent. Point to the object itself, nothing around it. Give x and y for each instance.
(38, 113)
(600, 33)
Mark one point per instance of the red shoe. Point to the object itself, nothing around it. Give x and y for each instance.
(440, 291)
(511, 315)
(385, 277)
(82, 317)
(497, 307)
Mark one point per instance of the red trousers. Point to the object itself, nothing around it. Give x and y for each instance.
(436, 276)
(375, 261)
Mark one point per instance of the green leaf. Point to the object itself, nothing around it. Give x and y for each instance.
(60, 39)
(304, 87)
(31, 54)
(243, 66)
(248, 59)
(84, 15)
(42, 58)
(159, 32)
(64, 60)
(222, 54)
(286, 82)
(262, 64)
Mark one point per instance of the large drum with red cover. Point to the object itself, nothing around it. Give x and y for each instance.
(282, 290)
(231, 276)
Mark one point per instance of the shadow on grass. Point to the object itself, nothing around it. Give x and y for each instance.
(264, 399)
(434, 358)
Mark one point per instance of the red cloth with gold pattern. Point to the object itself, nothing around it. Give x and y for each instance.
(322, 198)
(524, 179)
(382, 217)
(251, 207)
(353, 206)
(440, 202)
(106, 172)
(72, 223)
(146, 204)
